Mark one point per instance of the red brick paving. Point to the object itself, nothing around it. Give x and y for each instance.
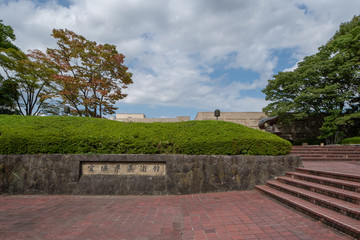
(352, 167)
(229, 215)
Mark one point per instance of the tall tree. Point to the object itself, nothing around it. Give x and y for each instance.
(324, 85)
(25, 84)
(9, 54)
(90, 76)
(34, 87)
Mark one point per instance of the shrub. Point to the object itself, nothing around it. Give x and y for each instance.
(353, 140)
(76, 135)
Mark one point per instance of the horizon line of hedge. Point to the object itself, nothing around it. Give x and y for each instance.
(79, 135)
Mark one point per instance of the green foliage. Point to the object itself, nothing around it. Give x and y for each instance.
(310, 141)
(8, 94)
(34, 86)
(90, 77)
(353, 140)
(6, 36)
(72, 135)
(324, 85)
(8, 55)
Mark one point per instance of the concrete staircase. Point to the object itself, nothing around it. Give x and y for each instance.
(330, 197)
(328, 153)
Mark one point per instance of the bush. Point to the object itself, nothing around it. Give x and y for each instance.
(353, 140)
(76, 135)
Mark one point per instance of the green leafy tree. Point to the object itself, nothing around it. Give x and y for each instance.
(9, 54)
(324, 86)
(8, 97)
(34, 87)
(90, 76)
(25, 85)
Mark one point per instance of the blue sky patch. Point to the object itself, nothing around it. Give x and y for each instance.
(285, 57)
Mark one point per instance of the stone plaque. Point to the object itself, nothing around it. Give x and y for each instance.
(117, 168)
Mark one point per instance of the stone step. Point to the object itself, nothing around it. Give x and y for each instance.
(329, 147)
(334, 219)
(318, 150)
(342, 184)
(328, 159)
(355, 153)
(348, 157)
(329, 154)
(343, 207)
(326, 149)
(338, 193)
(337, 175)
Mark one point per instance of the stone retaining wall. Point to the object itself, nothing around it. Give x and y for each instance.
(112, 174)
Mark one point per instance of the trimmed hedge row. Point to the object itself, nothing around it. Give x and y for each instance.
(353, 140)
(78, 135)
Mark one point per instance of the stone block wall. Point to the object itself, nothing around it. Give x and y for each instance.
(183, 174)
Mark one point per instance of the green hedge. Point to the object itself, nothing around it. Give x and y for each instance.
(74, 135)
(353, 140)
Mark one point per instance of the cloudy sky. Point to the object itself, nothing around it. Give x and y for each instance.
(188, 56)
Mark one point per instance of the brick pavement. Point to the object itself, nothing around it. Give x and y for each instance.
(229, 215)
(352, 167)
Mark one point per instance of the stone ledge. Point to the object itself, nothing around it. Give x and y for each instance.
(184, 174)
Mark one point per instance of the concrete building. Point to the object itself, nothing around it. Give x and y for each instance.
(132, 117)
(249, 119)
(293, 131)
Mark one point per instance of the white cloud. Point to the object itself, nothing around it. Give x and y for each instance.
(173, 45)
